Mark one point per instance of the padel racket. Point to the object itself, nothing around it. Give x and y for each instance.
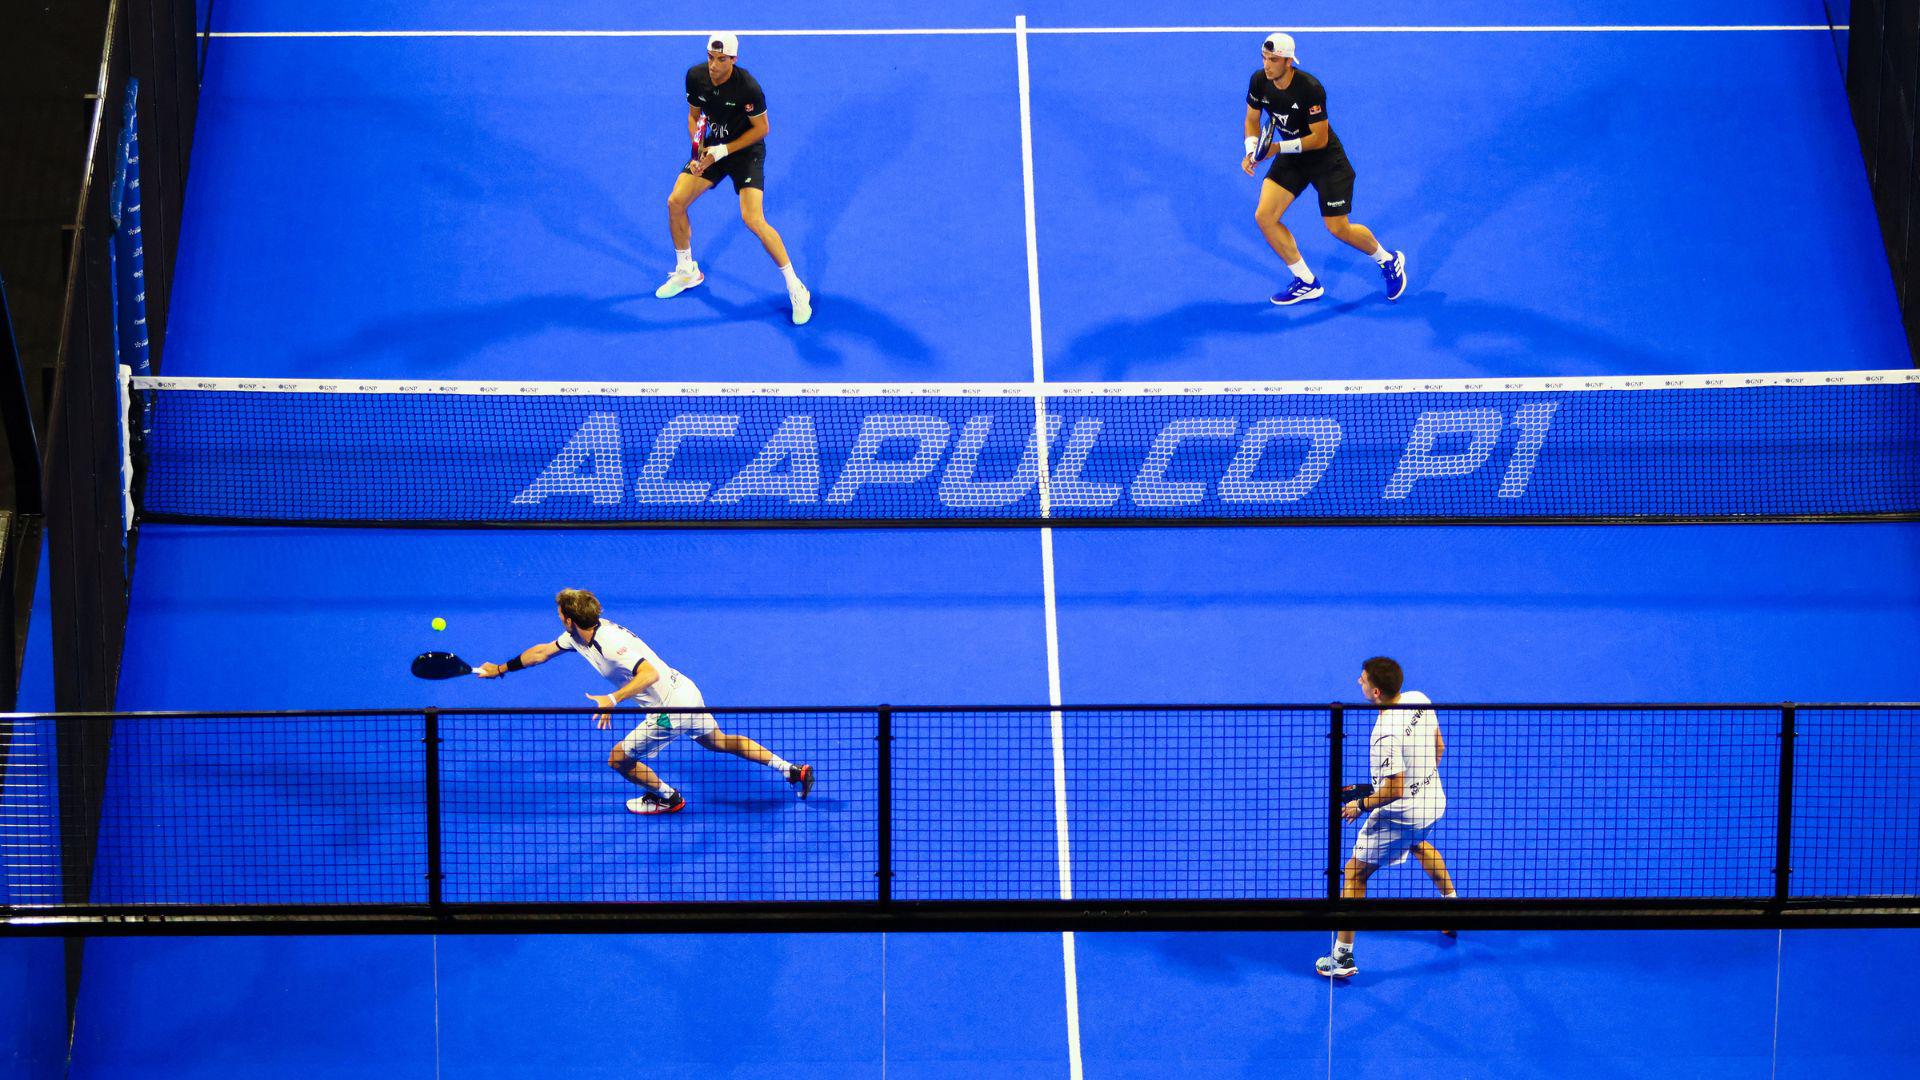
(440, 665)
(1354, 793)
(1266, 137)
(699, 136)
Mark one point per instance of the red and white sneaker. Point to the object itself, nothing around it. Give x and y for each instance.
(801, 777)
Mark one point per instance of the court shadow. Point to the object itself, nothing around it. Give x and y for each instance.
(1117, 347)
(1234, 958)
(1152, 168)
(430, 341)
(839, 322)
(470, 161)
(827, 173)
(1503, 338)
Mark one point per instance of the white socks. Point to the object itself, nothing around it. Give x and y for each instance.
(1300, 271)
(793, 279)
(1382, 256)
(683, 260)
(779, 765)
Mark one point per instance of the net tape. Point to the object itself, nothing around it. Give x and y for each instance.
(1744, 447)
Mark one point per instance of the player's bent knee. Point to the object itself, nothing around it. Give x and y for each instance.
(617, 760)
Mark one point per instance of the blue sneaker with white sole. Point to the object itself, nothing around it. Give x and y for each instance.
(1297, 292)
(1395, 272)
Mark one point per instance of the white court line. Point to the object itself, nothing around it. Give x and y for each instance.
(1498, 384)
(980, 31)
(1779, 961)
(1068, 960)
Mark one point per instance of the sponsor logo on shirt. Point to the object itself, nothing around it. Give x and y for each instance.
(749, 106)
(1315, 111)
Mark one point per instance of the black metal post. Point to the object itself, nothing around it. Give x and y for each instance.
(884, 778)
(1336, 750)
(432, 740)
(1783, 832)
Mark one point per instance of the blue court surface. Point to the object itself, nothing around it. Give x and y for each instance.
(491, 208)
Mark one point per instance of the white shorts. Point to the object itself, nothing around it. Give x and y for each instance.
(659, 729)
(1387, 843)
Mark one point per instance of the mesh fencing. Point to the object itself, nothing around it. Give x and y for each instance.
(1011, 805)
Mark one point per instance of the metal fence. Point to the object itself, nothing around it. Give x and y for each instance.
(1216, 815)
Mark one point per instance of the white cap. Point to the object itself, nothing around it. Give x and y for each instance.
(1279, 45)
(728, 45)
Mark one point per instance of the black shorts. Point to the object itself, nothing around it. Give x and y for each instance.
(1331, 176)
(747, 169)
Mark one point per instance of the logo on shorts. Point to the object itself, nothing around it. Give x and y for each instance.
(1340, 202)
(662, 720)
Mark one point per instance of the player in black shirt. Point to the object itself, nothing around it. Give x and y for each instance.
(1305, 151)
(734, 147)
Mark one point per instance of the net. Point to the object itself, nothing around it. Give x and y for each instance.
(1833, 445)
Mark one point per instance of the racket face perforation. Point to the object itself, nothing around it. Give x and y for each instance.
(440, 665)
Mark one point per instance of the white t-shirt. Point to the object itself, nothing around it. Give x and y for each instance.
(1406, 744)
(615, 652)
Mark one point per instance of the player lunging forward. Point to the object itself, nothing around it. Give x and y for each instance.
(1407, 797)
(626, 661)
(734, 146)
(1305, 151)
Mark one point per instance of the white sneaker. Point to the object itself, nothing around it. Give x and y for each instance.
(802, 305)
(680, 281)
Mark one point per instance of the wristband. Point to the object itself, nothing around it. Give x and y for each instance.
(1288, 146)
(513, 664)
(1253, 143)
(717, 151)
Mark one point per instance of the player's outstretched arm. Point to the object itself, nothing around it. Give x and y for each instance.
(538, 654)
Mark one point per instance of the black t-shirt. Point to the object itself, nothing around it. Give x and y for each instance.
(1301, 104)
(729, 107)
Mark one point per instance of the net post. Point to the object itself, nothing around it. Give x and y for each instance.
(1783, 831)
(1336, 736)
(883, 776)
(431, 738)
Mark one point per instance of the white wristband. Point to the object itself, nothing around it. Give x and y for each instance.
(1288, 146)
(717, 151)
(1253, 141)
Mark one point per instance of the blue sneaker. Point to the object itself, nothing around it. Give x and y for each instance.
(1396, 274)
(1298, 291)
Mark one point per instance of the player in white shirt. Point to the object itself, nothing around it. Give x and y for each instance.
(625, 661)
(1407, 798)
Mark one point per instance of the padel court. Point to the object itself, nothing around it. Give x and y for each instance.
(980, 199)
